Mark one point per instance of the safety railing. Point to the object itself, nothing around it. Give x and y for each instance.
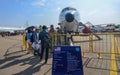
(90, 43)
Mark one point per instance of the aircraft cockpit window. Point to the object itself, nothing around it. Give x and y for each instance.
(68, 8)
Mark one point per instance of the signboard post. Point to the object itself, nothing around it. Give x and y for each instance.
(67, 60)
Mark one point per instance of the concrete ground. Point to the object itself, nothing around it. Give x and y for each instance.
(15, 61)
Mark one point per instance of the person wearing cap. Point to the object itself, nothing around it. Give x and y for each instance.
(43, 48)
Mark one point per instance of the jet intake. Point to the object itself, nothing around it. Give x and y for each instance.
(69, 17)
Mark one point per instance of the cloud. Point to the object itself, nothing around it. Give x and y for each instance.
(39, 3)
(92, 12)
(58, 9)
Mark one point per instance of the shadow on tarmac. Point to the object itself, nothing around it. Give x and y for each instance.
(20, 58)
(30, 70)
(99, 63)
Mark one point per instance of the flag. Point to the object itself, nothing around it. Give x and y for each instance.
(57, 49)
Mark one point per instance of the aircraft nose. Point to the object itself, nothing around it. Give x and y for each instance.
(69, 17)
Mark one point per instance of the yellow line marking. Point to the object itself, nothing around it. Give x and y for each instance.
(119, 50)
(113, 60)
(117, 44)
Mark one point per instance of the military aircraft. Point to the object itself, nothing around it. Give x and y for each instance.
(69, 21)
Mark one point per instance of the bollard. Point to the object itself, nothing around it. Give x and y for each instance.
(98, 55)
(83, 54)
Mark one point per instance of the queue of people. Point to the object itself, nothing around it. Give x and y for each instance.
(39, 41)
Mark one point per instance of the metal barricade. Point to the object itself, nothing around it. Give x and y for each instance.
(89, 43)
(104, 46)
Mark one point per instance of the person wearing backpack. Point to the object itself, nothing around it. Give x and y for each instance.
(45, 43)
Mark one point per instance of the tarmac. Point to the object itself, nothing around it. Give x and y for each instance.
(15, 61)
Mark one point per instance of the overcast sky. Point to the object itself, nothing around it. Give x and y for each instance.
(39, 12)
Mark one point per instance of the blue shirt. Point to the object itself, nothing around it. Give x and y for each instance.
(35, 37)
(28, 35)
